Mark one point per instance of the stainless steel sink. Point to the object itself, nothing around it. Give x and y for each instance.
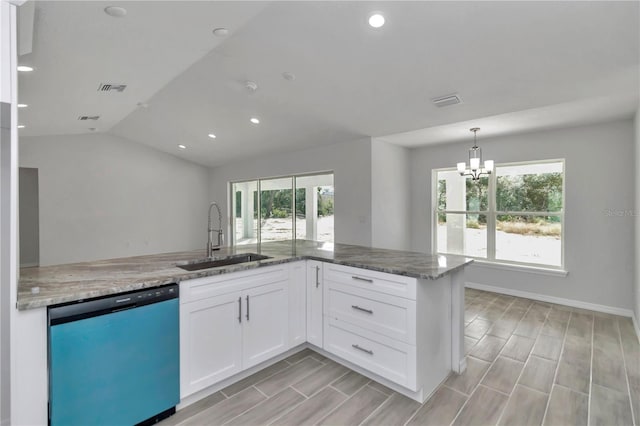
(223, 261)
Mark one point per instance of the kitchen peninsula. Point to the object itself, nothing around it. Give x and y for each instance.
(395, 316)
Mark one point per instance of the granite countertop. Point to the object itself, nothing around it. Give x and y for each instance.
(50, 285)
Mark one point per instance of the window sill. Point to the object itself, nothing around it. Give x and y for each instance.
(521, 268)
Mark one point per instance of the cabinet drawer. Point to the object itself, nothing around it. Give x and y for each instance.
(395, 285)
(391, 316)
(395, 361)
(202, 288)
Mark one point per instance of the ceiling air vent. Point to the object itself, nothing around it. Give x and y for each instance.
(444, 101)
(110, 87)
(88, 117)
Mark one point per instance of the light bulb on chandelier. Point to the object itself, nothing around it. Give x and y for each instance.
(476, 167)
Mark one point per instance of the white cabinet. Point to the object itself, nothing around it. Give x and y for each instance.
(297, 303)
(231, 322)
(370, 320)
(314, 302)
(211, 341)
(393, 360)
(391, 316)
(265, 323)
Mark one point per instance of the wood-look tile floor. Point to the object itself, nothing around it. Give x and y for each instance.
(528, 363)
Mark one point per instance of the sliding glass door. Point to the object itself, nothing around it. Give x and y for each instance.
(276, 209)
(314, 207)
(267, 210)
(244, 208)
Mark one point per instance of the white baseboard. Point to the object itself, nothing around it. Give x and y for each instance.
(558, 300)
(636, 326)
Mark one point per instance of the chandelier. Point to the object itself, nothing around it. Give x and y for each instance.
(476, 168)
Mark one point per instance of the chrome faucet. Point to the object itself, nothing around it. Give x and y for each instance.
(210, 246)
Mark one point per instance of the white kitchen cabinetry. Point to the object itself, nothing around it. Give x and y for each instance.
(297, 303)
(371, 320)
(210, 341)
(315, 288)
(265, 323)
(231, 322)
(367, 320)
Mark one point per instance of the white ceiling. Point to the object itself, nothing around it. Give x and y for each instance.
(518, 66)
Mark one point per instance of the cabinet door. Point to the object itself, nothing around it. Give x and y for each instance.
(314, 302)
(297, 304)
(265, 323)
(210, 341)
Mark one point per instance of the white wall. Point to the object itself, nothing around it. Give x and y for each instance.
(637, 217)
(351, 164)
(102, 197)
(599, 179)
(390, 196)
(29, 212)
(8, 198)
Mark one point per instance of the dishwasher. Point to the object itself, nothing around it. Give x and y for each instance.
(115, 360)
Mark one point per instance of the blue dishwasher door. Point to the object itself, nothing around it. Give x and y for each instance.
(119, 368)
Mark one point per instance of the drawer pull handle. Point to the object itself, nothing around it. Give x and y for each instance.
(362, 279)
(369, 311)
(317, 276)
(240, 309)
(369, 351)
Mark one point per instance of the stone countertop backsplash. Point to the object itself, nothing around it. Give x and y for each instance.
(50, 285)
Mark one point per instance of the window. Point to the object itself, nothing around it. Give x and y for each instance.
(514, 215)
(281, 215)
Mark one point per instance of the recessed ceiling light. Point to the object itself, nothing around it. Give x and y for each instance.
(115, 11)
(25, 68)
(22, 105)
(221, 32)
(251, 86)
(254, 120)
(376, 20)
(182, 146)
(20, 126)
(289, 76)
(211, 135)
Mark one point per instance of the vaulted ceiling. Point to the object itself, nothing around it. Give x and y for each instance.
(517, 66)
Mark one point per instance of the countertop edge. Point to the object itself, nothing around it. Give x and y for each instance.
(34, 303)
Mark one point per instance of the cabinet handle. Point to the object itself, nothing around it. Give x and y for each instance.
(239, 309)
(317, 276)
(369, 311)
(247, 307)
(362, 279)
(369, 351)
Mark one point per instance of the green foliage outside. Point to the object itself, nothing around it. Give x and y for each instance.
(533, 193)
(325, 206)
(520, 193)
(277, 204)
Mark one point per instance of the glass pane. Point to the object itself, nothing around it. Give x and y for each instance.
(245, 212)
(315, 207)
(529, 187)
(529, 239)
(462, 193)
(464, 234)
(276, 203)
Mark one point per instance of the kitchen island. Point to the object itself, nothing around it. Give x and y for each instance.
(423, 292)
